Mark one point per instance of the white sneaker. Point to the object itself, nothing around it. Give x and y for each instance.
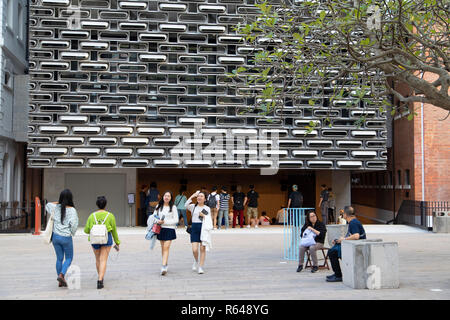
(200, 270)
(194, 266)
(256, 226)
(248, 226)
(164, 270)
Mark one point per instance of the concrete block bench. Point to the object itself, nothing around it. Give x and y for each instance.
(371, 264)
(441, 222)
(334, 231)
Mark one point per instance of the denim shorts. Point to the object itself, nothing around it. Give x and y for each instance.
(108, 244)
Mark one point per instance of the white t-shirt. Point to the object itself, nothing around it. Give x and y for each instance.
(196, 215)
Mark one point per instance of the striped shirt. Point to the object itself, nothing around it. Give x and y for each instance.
(224, 199)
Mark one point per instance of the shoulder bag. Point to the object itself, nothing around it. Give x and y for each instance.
(47, 235)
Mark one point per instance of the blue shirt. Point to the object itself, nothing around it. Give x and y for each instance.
(180, 201)
(356, 227)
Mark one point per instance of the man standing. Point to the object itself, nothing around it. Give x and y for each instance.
(252, 208)
(238, 201)
(295, 198)
(224, 207)
(213, 203)
(355, 232)
(323, 204)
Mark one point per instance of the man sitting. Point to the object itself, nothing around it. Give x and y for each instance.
(355, 232)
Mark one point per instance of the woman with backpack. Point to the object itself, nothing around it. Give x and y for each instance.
(65, 224)
(166, 215)
(200, 229)
(101, 227)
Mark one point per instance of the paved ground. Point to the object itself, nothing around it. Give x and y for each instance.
(243, 264)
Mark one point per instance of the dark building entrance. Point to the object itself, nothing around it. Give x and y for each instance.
(273, 189)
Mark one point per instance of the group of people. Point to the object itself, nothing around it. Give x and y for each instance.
(217, 202)
(65, 224)
(316, 230)
(166, 215)
(206, 214)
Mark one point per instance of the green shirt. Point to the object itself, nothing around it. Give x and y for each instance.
(110, 223)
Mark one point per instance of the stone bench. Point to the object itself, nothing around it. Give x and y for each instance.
(334, 231)
(441, 222)
(371, 264)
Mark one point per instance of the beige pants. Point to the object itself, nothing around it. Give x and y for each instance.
(312, 251)
(252, 213)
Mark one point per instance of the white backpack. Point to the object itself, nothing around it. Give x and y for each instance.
(99, 232)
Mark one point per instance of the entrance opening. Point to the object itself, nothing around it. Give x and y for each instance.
(273, 190)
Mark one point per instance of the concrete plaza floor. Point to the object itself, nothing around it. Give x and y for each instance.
(243, 264)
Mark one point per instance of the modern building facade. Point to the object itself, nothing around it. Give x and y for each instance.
(125, 92)
(13, 101)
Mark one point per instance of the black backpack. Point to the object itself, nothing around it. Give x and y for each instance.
(212, 201)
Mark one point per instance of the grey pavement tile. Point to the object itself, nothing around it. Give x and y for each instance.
(242, 265)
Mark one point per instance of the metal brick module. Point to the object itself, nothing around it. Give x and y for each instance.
(142, 84)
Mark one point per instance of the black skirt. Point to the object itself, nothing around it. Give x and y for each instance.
(167, 234)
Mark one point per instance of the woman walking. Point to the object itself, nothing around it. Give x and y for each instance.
(319, 231)
(200, 230)
(167, 214)
(101, 251)
(64, 227)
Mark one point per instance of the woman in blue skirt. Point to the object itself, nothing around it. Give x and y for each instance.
(168, 219)
(198, 211)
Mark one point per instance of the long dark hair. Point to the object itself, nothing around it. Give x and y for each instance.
(161, 201)
(65, 199)
(308, 216)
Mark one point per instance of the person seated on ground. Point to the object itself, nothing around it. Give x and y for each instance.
(264, 220)
(355, 232)
(280, 216)
(341, 219)
(230, 217)
(317, 231)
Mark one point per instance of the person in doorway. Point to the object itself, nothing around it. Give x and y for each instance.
(295, 198)
(65, 224)
(281, 217)
(331, 206)
(213, 202)
(200, 229)
(224, 208)
(252, 207)
(180, 201)
(319, 230)
(355, 232)
(295, 201)
(152, 199)
(238, 201)
(101, 251)
(166, 214)
(323, 203)
(143, 207)
(264, 220)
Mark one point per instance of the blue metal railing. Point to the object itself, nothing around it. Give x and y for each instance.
(294, 219)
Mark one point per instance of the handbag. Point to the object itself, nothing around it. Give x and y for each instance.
(156, 228)
(99, 232)
(307, 239)
(48, 233)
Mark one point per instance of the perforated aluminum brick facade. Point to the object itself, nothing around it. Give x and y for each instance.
(115, 83)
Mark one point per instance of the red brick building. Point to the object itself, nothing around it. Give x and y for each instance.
(418, 166)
